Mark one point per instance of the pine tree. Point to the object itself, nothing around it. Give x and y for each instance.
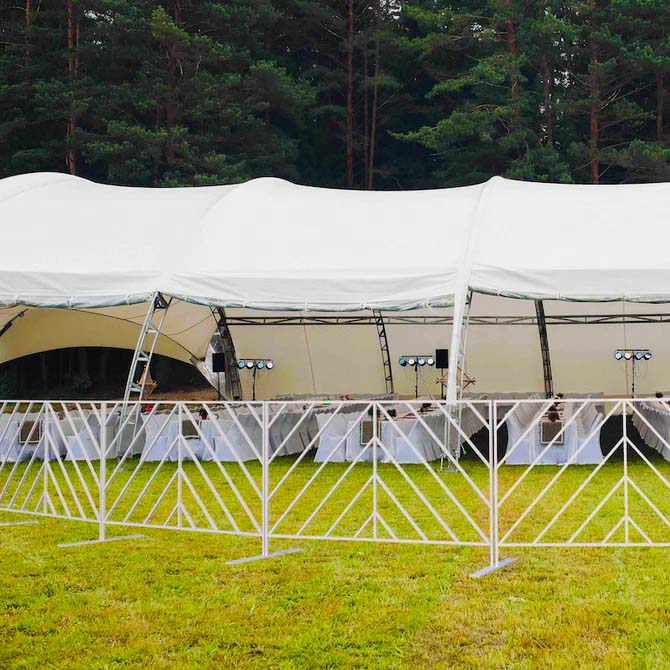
(204, 102)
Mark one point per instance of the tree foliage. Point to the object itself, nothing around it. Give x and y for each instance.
(343, 93)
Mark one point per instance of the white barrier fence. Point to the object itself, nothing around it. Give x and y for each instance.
(568, 472)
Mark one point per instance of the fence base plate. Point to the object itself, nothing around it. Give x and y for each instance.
(99, 541)
(248, 559)
(18, 523)
(490, 568)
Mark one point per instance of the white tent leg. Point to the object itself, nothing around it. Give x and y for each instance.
(457, 373)
(460, 304)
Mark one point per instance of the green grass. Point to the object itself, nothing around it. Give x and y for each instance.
(169, 600)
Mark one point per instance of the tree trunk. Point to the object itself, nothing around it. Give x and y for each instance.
(375, 105)
(169, 103)
(660, 101)
(366, 115)
(593, 116)
(29, 20)
(71, 156)
(546, 78)
(170, 120)
(349, 139)
(513, 52)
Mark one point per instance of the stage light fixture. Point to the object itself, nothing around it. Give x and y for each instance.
(411, 361)
(260, 364)
(628, 355)
(241, 364)
(421, 361)
(647, 355)
(402, 361)
(618, 355)
(269, 365)
(638, 355)
(250, 364)
(430, 361)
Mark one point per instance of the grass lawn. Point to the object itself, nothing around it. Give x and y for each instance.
(169, 601)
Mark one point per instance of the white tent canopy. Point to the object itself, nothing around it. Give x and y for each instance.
(271, 245)
(265, 244)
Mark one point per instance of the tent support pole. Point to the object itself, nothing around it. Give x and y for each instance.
(456, 375)
(458, 335)
(232, 384)
(385, 351)
(544, 347)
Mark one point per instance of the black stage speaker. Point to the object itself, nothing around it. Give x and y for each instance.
(218, 362)
(441, 359)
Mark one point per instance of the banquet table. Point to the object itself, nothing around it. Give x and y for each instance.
(224, 437)
(13, 449)
(405, 440)
(581, 436)
(654, 425)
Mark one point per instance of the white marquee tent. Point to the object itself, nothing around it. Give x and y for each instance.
(101, 252)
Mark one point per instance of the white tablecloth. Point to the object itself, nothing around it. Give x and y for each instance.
(242, 437)
(340, 439)
(13, 450)
(657, 415)
(529, 448)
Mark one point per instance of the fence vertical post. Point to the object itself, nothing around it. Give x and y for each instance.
(493, 481)
(375, 437)
(102, 480)
(45, 456)
(624, 414)
(265, 483)
(180, 418)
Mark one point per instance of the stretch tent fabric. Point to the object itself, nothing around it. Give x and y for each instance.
(272, 245)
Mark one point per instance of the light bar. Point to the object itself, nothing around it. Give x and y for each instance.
(416, 360)
(632, 354)
(255, 363)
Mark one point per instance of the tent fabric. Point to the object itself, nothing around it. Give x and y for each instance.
(573, 242)
(270, 244)
(266, 244)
